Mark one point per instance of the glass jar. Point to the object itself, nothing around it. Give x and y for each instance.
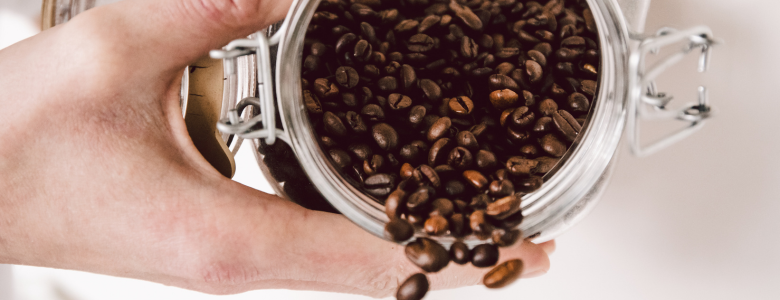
(262, 75)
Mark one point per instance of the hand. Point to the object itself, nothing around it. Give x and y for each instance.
(98, 174)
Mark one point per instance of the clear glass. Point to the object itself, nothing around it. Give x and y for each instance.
(569, 191)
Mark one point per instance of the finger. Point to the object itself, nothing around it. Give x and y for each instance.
(171, 34)
(285, 246)
(548, 247)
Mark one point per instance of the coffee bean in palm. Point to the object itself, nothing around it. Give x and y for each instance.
(485, 255)
(566, 124)
(578, 103)
(503, 274)
(414, 288)
(399, 230)
(505, 237)
(502, 99)
(436, 225)
(427, 254)
(460, 253)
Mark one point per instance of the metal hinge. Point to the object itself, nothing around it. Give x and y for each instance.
(264, 102)
(645, 102)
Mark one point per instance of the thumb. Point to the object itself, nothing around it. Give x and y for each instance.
(170, 34)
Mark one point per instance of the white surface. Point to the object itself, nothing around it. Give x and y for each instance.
(698, 221)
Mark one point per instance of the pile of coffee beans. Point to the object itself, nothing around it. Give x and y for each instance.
(448, 112)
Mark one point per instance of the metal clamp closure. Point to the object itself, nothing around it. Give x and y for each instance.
(643, 92)
(264, 103)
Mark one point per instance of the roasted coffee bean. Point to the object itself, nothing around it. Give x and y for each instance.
(312, 103)
(466, 139)
(427, 254)
(420, 43)
(504, 69)
(543, 125)
(436, 225)
(346, 42)
(407, 171)
(327, 142)
(501, 188)
(486, 160)
(566, 124)
(578, 103)
(419, 200)
(363, 51)
(502, 99)
(408, 77)
(588, 87)
(546, 164)
(517, 136)
(480, 201)
(439, 151)
(324, 89)
(552, 145)
(461, 106)
(466, 16)
(398, 230)
(522, 117)
(538, 57)
(468, 48)
(387, 84)
(519, 166)
(479, 224)
(512, 221)
(375, 165)
(439, 129)
(416, 220)
(534, 71)
(528, 184)
(529, 150)
(475, 179)
(414, 288)
(504, 207)
(485, 255)
(333, 125)
(424, 174)
(399, 102)
(460, 158)
(361, 151)
(590, 22)
(458, 225)
(505, 237)
(373, 113)
(395, 203)
(454, 188)
(385, 136)
(442, 207)
(548, 107)
(379, 185)
(406, 26)
(355, 123)
(503, 274)
(417, 115)
(431, 90)
(460, 253)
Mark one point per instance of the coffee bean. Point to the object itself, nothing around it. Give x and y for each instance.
(395, 203)
(460, 158)
(517, 136)
(419, 200)
(439, 150)
(552, 145)
(399, 102)
(469, 48)
(408, 77)
(485, 255)
(588, 87)
(458, 225)
(346, 42)
(373, 113)
(406, 171)
(503, 274)
(355, 123)
(324, 89)
(440, 128)
(417, 115)
(566, 124)
(475, 179)
(466, 16)
(406, 26)
(420, 43)
(461, 106)
(512, 221)
(427, 254)
(424, 174)
(460, 253)
(361, 151)
(436, 225)
(466, 139)
(442, 207)
(312, 103)
(502, 99)
(385, 136)
(363, 51)
(578, 103)
(528, 184)
(534, 71)
(387, 84)
(379, 185)
(480, 201)
(546, 164)
(538, 57)
(522, 117)
(504, 207)
(486, 160)
(501, 188)
(398, 230)
(548, 107)
(505, 237)
(529, 150)
(519, 166)
(414, 288)
(333, 125)
(479, 224)
(373, 166)
(431, 90)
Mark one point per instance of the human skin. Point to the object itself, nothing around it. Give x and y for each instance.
(97, 172)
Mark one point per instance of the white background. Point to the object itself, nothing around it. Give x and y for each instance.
(697, 221)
